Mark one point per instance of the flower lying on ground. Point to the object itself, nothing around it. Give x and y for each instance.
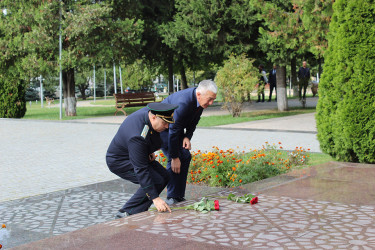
(204, 206)
(247, 198)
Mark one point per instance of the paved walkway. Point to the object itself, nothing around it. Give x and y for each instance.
(54, 182)
(329, 206)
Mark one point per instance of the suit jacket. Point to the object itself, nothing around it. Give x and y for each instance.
(303, 73)
(272, 78)
(130, 149)
(186, 117)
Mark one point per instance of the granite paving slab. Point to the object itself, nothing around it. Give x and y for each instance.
(295, 211)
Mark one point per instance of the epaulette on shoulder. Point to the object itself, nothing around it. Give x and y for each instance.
(145, 131)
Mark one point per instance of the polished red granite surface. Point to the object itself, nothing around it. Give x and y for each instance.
(330, 206)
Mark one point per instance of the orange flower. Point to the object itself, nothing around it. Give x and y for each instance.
(234, 169)
(3, 226)
(240, 181)
(164, 160)
(217, 176)
(213, 166)
(279, 142)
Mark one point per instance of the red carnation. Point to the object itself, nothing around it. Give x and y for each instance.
(216, 205)
(254, 200)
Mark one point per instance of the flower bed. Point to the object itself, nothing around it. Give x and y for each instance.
(232, 168)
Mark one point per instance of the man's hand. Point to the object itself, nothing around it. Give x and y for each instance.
(160, 205)
(152, 157)
(176, 165)
(186, 143)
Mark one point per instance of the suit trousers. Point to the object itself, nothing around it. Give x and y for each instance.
(302, 84)
(272, 86)
(177, 182)
(139, 202)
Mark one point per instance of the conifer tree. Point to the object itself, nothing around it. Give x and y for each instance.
(346, 108)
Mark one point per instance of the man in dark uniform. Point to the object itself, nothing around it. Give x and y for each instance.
(176, 140)
(272, 82)
(303, 77)
(131, 156)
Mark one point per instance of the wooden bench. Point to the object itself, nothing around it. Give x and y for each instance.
(133, 100)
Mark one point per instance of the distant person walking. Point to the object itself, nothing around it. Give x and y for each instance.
(262, 82)
(303, 77)
(272, 82)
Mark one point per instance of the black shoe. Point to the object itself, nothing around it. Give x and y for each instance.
(171, 200)
(269, 101)
(121, 215)
(258, 101)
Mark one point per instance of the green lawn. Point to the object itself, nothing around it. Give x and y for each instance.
(53, 113)
(34, 111)
(209, 121)
(319, 158)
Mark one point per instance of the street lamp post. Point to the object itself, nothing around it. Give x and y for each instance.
(60, 51)
(105, 85)
(41, 91)
(94, 86)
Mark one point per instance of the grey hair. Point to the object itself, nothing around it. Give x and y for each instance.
(207, 85)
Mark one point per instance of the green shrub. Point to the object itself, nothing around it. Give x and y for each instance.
(236, 80)
(346, 108)
(12, 98)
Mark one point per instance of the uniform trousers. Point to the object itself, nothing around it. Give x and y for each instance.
(139, 202)
(177, 182)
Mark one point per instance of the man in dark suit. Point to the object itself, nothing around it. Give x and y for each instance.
(272, 82)
(303, 77)
(131, 156)
(176, 140)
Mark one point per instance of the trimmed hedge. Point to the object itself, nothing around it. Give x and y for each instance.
(12, 98)
(346, 108)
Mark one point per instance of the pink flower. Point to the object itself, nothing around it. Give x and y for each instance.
(254, 200)
(216, 205)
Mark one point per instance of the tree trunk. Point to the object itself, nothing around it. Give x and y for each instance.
(82, 89)
(69, 92)
(320, 67)
(282, 101)
(293, 73)
(183, 76)
(170, 73)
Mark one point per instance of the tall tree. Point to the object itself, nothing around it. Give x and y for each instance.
(207, 32)
(346, 107)
(89, 33)
(154, 13)
(316, 16)
(15, 24)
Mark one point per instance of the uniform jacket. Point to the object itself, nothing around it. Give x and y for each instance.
(186, 117)
(130, 149)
